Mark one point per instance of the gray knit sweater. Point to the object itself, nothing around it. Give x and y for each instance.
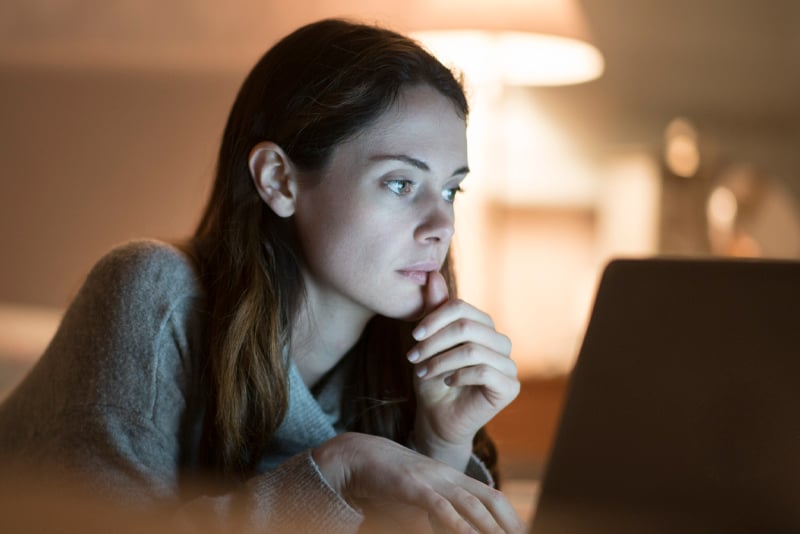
(115, 398)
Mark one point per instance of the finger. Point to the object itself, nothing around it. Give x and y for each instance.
(463, 356)
(447, 313)
(474, 511)
(499, 389)
(436, 292)
(457, 333)
(442, 512)
(487, 509)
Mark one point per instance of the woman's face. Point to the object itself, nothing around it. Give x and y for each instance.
(380, 217)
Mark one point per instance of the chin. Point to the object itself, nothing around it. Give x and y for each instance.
(403, 304)
(410, 313)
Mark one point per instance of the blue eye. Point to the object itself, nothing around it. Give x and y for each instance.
(400, 186)
(450, 194)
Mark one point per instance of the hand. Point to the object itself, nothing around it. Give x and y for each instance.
(465, 375)
(411, 491)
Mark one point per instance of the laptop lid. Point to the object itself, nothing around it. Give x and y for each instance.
(683, 409)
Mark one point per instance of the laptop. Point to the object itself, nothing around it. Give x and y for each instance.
(683, 410)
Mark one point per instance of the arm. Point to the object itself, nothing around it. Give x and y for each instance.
(111, 405)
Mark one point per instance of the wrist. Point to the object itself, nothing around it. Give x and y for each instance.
(456, 456)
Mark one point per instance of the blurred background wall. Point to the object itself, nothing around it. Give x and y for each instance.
(111, 113)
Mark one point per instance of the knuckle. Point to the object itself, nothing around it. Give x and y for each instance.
(461, 326)
(471, 351)
(440, 506)
(495, 498)
(432, 366)
(460, 304)
(472, 502)
(481, 372)
(427, 494)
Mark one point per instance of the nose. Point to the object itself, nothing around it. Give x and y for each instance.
(438, 223)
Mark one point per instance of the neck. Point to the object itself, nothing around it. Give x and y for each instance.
(322, 335)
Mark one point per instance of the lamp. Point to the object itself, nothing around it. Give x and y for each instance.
(511, 42)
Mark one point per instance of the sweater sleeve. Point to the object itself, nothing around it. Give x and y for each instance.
(112, 402)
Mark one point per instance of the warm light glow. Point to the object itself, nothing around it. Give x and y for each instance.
(515, 58)
(629, 203)
(752, 214)
(534, 160)
(744, 245)
(681, 151)
(25, 330)
(721, 209)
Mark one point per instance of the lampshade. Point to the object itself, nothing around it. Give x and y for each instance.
(514, 42)
(515, 58)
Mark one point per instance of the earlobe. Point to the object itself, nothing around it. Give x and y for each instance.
(274, 177)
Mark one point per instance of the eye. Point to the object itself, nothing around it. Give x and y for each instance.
(450, 194)
(400, 186)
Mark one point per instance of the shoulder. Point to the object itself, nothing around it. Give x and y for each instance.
(137, 317)
(136, 289)
(145, 261)
(119, 375)
(144, 270)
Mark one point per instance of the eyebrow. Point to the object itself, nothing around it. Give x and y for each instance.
(414, 162)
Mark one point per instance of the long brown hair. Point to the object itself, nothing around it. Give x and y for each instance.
(316, 88)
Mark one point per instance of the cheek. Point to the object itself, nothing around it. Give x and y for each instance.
(346, 240)
(352, 231)
(359, 243)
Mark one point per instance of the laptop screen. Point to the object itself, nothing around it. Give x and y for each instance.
(683, 409)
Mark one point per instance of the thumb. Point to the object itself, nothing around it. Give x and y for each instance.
(436, 292)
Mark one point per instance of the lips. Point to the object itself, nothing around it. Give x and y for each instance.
(418, 272)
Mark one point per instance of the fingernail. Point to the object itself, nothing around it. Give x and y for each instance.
(413, 355)
(418, 332)
(422, 371)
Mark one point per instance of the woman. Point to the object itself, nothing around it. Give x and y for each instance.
(304, 351)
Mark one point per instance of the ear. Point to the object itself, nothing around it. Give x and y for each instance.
(274, 177)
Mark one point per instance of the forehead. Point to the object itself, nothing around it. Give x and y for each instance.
(422, 122)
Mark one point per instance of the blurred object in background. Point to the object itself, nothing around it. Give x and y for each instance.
(752, 215)
(714, 206)
(687, 160)
(681, 148)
